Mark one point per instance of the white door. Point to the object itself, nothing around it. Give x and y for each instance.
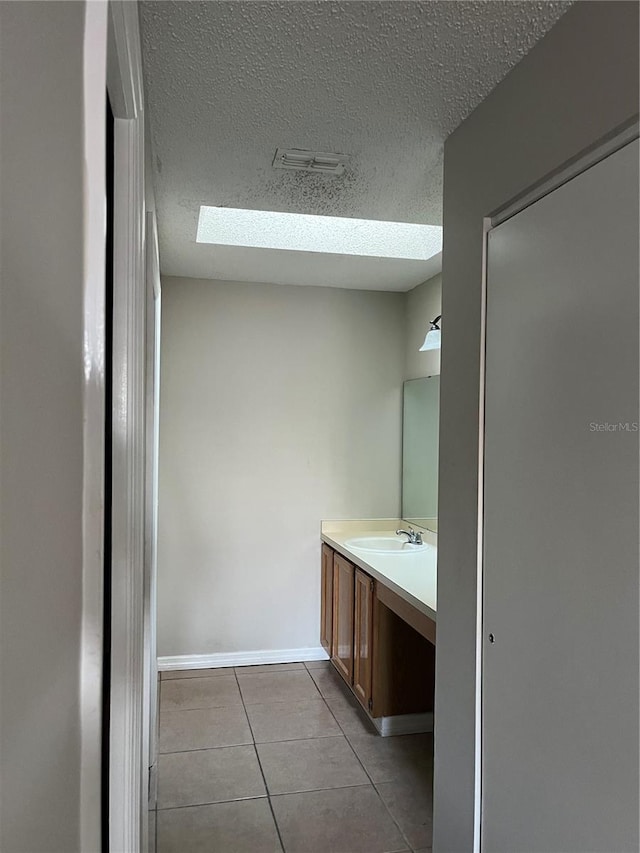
(560, 625)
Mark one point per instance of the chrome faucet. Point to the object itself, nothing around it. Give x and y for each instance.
(415, 537)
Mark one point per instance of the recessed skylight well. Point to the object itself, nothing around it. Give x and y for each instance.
(302, 232)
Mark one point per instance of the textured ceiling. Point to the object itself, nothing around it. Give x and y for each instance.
(384, 82)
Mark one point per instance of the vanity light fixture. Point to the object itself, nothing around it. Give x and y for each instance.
(432, 338)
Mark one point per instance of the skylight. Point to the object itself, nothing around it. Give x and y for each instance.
(302, 232)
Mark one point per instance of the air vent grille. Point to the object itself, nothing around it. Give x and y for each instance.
(298, 160)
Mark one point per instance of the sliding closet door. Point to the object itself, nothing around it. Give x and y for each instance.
(560, 633)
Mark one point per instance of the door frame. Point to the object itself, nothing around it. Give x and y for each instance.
(612, 142)
(152, 430)
(94, 383)
(128, 801)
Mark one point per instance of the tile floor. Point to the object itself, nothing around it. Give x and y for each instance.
(266, 759)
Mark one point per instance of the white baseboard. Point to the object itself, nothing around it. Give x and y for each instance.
(240, 658)
(404, 724)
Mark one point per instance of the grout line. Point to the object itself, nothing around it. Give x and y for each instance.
(233, 670)
(164, 677)
(338, 723)
(244, 708)
(207, 748)
(275, 822)
(309, 700)
(259, 743)
(320, 790)
(265, 796)
(213, 803)
(276, 672)
(316, 668)
(314, 683)
(410, 846)
(266, 787)
(357, 709)
(300, 739)
(264, 778)
(282, 702)
(202, 708)
(245, 669)
(246, 716)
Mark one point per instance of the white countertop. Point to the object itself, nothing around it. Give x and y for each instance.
(413, 575)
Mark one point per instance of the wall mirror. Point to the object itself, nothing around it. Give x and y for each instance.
(421, 410)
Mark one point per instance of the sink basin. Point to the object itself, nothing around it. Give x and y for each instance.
(383, 545)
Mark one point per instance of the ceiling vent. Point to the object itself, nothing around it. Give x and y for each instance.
(309, 161)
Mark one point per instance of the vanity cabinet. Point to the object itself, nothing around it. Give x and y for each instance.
(326, 599)
(343, 592)
(382, 647)
(363, 638)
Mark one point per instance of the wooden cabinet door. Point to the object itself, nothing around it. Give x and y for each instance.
(362, 638)
(342, 645)
(326, 603)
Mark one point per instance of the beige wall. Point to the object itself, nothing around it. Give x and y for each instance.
(280, 406)
(422, 305)
(41, 452)
(577, 85)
